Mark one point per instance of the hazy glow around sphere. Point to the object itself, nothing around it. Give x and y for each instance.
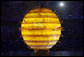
(61, 4)
(40, 28)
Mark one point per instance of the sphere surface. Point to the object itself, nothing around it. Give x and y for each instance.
(40, 28)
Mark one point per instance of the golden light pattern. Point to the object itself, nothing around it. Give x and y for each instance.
(41, 28)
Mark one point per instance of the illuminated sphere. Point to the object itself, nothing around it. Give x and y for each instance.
(61, 4)
(40, 28)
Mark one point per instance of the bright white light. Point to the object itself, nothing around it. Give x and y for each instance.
(61, 4)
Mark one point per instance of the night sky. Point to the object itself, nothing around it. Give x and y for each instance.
(12, 13)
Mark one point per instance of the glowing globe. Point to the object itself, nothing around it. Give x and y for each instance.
(40, 28)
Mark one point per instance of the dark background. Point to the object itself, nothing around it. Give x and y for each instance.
(12, 13)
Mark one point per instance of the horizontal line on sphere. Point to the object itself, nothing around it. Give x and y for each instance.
(42, 35)
(40, 25)
(41, 45)
(43, 24)
(43, 48)
(39, 22)
(41, 14)
(40, 28)
(59, 28)
(40, 41)
(40, 32)
(40, 17)
(41, 38)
